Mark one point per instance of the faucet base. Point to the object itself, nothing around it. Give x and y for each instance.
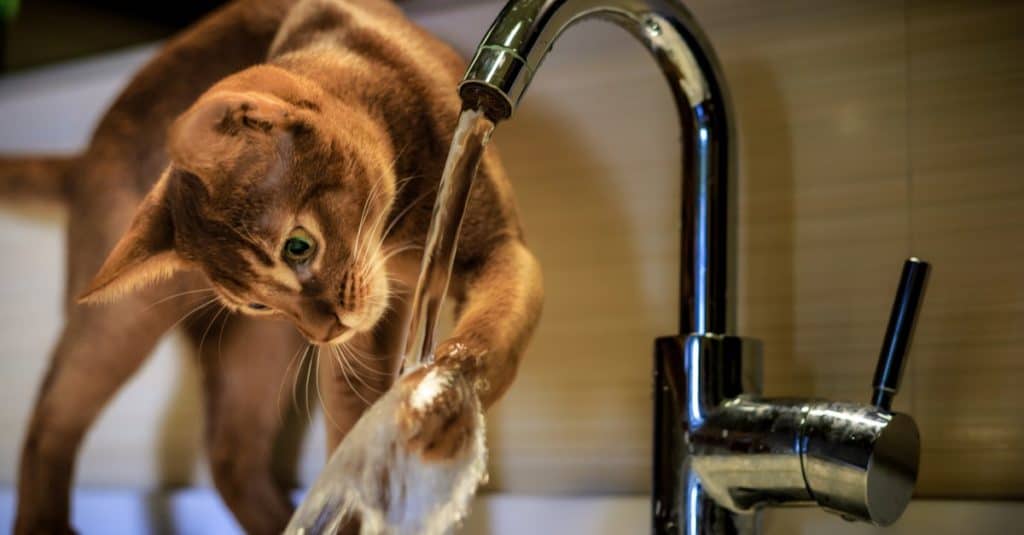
(692, 376)
(722, 452)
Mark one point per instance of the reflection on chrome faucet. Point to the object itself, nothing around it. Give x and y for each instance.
(721, 452)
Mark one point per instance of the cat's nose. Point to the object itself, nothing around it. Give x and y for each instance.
(320, 323)
(335, 330)
(324, 332)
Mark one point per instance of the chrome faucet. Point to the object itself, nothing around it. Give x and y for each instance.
(721, 452)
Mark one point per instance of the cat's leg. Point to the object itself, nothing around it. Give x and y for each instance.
(249, 367)
(99, 349)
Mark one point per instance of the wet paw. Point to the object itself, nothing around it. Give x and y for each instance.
(438, 415)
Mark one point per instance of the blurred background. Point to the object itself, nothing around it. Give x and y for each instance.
(38, 32)
(870, 131)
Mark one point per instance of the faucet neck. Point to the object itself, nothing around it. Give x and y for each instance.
(513, 50)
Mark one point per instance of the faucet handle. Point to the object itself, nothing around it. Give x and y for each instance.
(893, 356)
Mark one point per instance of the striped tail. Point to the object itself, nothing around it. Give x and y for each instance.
(34, 178)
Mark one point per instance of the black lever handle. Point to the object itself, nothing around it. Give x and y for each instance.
(897, 335)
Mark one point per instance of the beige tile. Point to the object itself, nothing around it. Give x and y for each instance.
(967, 210)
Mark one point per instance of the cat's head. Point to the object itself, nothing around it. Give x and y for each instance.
(279, 196)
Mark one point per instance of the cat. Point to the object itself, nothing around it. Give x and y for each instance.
(304, 144)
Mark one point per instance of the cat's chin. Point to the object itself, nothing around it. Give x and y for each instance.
(343, 338)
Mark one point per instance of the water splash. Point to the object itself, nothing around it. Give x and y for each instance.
(393, 491)
(372, 476)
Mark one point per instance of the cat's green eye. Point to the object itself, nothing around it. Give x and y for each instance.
(299, 246)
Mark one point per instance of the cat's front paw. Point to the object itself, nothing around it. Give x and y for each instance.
(438, 416)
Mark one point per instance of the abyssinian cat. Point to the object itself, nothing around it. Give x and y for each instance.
(295, 192)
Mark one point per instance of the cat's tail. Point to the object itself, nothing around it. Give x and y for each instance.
(34, 178)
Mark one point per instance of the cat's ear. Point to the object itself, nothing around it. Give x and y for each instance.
(215, 133)
(145, 253)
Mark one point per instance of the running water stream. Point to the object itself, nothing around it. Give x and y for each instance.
(467, 149)
(370, 475)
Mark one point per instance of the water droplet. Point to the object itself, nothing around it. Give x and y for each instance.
(653, 27)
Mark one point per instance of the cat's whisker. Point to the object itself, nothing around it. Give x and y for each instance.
(179, 294)
(315, 366)
(363, 364)
(360, 256)
(382, 255)
(370, 198)
(370, 263)
(305, 392)
(391, 226)
(374, 300)
(367, 268)
(391, 166)
(298, 368)
(381, 219)
(344, 373)
(393, 295)
(323, 406)
(355, 372)
(381, 259)
(295, 385)
(213, 320)
(368, 356)
(392, 283)
(401, 183)
(220, 337)
(362, 220)
(399, 250)
(385, 215)
(365, 249)
(193, 311)
(284, 379)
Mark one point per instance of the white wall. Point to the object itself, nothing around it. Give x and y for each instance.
(54, 110)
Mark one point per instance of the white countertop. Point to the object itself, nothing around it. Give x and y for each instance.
(200, 512)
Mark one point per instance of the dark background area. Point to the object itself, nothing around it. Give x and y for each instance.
(48, 31)
(51, 31)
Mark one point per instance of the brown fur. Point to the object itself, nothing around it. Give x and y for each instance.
(34, 178)
(342, 133)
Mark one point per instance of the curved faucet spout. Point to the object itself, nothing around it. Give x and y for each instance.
(513, 50)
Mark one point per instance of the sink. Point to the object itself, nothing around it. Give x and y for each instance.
(501, 514)
(199, 511)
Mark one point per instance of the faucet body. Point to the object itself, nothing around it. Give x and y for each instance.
(721, 452)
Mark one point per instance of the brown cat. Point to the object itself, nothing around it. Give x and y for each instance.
(298, 189)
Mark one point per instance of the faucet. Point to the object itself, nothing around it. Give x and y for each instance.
(722, 452)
